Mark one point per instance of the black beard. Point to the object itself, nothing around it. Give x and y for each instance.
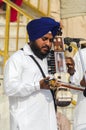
(36, 50)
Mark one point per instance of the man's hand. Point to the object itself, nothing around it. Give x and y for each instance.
(44, 83)
(54, 84)
(70, 65)
(48, 83)
(83, 82)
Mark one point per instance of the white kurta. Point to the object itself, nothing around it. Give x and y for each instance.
(80, 109)
(31, 108)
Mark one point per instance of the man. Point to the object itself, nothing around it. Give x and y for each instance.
(30, 99)
(79, 78)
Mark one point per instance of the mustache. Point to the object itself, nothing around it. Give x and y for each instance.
(46, 47)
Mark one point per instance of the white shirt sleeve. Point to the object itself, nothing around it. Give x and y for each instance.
(13, 83)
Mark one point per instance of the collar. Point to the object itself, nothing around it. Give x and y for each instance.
(27, 50)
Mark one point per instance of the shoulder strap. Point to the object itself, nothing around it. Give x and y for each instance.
(52, 91)
(38, 66)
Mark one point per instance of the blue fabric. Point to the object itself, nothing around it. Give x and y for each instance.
(39, 27)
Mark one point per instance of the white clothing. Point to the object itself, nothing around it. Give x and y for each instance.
(31, 108)
(80, 109)
(63, 122)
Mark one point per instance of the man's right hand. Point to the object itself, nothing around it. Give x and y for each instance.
(44, 83)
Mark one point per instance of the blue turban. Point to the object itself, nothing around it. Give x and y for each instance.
(39, 27)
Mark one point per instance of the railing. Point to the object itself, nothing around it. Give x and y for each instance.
(21, 12)
(43, 6)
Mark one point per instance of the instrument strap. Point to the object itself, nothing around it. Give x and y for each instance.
(38, 66)
(52, 91)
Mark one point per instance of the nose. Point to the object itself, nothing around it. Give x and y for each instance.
(48, 44)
